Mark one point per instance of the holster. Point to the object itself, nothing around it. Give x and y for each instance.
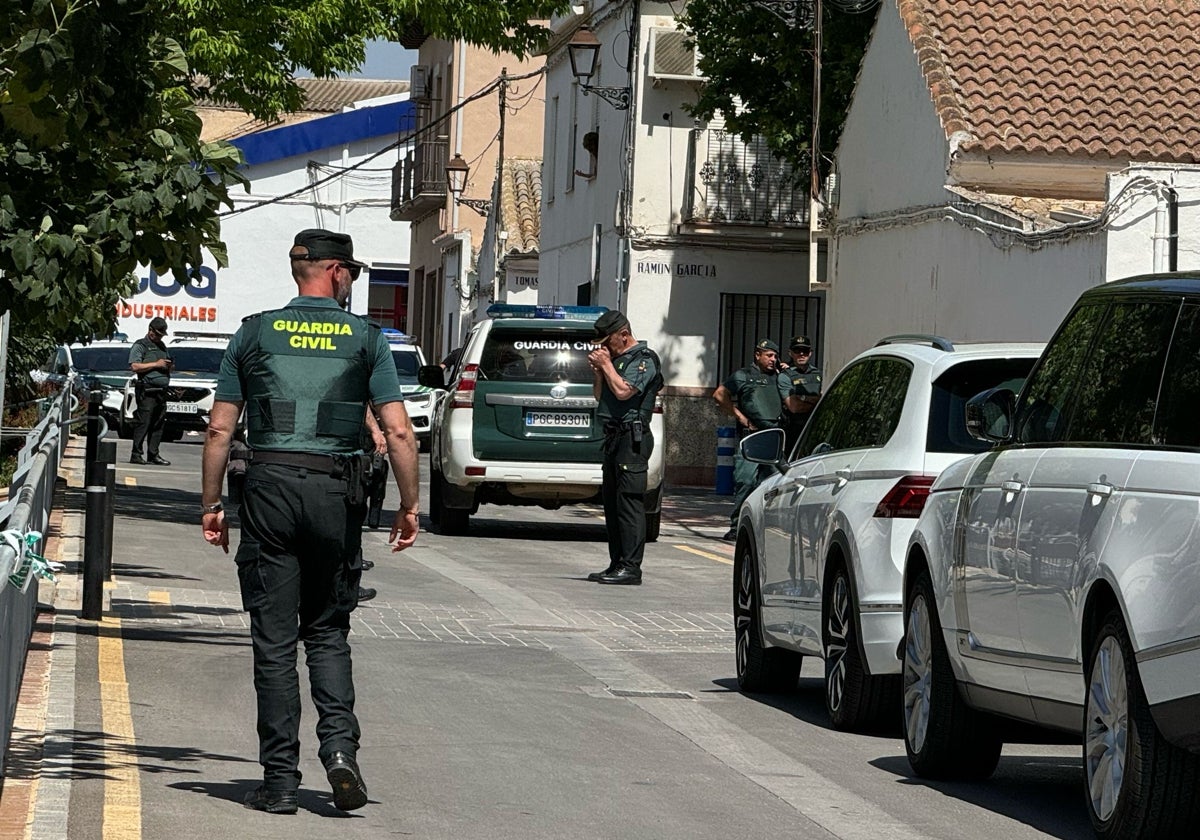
(356, 472)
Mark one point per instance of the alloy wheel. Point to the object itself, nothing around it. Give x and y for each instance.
(918, 673)
(1107, 731)
(837, 631)
(744, 613)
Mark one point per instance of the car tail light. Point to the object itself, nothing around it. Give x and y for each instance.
(464, 394)
(658, 404)
(906, 499)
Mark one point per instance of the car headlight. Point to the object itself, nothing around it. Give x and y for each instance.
(420, 398)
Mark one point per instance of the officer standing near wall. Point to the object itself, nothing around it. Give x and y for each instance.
(753, 395)
(627, 379)
(152, 362)
(804, 390)
(305, 374)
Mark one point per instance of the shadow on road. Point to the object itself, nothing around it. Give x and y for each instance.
(807, 703)
(157, 504)
(1043, 792)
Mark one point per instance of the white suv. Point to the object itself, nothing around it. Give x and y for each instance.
(418, 399)
(518, 426)
(105, 363)
(193, 385)
(1055, 579)
(820, 544)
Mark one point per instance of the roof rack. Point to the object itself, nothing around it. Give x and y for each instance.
(527, 310)
(192, 336)
(937, 341)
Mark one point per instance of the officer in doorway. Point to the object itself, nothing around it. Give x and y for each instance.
(306, 374)
(804, 390)
(754, 396)
(627, 379)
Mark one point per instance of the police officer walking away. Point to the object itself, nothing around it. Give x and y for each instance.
(805, 378)
(754, 395)
(305, 374)
(627, 379)
(152, 362)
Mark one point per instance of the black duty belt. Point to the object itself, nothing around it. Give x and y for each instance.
(332, 464)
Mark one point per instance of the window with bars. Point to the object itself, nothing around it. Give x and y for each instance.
(747, 318)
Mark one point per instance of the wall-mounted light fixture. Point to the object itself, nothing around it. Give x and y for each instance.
(583, 50)
(456, 181)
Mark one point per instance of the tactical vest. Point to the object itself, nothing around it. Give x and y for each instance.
(643, 402)
(306, 379)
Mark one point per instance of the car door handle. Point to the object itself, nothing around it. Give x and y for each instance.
(771, 494)
(1100, 489)
(843, 475)
(1012, 486)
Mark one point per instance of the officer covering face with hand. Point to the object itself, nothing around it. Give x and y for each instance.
(305, 375)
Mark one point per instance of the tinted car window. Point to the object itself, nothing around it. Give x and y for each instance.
(1119, 383)
(822, 427)
(873, 413)
(406, 366)
(947, 417)
(535, 355)
(89, 359)
(197, 359)
(1179, 404)
(1041, 410)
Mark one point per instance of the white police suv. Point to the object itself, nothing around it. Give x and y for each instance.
(418, 399)
(518, 424)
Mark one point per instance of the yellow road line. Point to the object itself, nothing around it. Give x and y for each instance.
(156, 596)
(122, 787)
(728, 561)
(130, 481)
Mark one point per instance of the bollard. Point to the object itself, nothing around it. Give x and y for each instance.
(107, 455)
(726, 441)
(93, 425)
(93, 541)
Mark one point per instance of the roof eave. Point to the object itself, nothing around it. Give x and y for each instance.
(1022, 174)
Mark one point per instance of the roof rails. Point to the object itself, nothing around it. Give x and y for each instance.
(192, 336)
(937, 341)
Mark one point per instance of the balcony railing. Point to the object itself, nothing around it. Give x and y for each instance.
(419, 181)
(736, 183)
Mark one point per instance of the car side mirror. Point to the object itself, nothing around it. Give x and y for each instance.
(432, 376)
(989, 415)
(765, 447)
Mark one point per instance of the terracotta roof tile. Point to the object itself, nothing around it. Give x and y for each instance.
(1095, 79)
(521, 202)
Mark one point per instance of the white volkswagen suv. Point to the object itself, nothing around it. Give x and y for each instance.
(820, 544)
(518, 426)
(1055, 579)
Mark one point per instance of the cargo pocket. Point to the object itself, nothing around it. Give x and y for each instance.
(633, 478)
(250, 578)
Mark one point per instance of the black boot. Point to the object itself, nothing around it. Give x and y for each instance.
(349, 790)
(612, 567)
(623, 576)
(271, 801)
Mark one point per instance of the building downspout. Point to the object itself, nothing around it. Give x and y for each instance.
(460, 79)
(1161, 222)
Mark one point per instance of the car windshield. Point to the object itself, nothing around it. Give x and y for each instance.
(197, 359)
(100, 359)
(406, 366)
(947, 416)
(537, 355)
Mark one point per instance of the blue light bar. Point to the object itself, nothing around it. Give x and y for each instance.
(394, 336)
(526, 310)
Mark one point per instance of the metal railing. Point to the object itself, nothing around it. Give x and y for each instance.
(30, 499)
(419, 181)
(734, 183)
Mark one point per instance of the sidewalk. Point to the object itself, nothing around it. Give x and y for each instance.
(73, 763)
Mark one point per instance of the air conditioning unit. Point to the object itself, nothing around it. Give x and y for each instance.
(420, 87)
(671, 58)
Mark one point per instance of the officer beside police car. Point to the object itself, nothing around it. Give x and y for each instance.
(306, 374)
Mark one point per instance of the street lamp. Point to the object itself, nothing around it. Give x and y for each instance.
(583, 49)
(456, 181)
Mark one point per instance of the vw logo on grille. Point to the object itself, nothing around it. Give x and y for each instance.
(558, 392)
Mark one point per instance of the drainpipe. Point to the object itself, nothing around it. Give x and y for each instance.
(1172, 230)
(1160, 229)
(460, 73)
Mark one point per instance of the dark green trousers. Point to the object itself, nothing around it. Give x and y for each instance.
(624, 493)
(299, 564)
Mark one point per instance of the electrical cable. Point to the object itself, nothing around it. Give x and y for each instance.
(404, 140)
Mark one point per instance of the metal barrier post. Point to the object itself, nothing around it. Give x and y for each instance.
(93, 425)
(93, 541)
(107, 455)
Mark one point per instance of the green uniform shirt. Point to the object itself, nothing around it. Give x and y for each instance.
(639, 367)
(145, 350)
(383, 383)
(801, 383)
(759, 395)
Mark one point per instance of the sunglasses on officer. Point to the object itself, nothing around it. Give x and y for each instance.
(354, 269)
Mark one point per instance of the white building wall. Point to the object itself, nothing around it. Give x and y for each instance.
(1132, 233)
(259, 274)
(945, 279)
(893, 152)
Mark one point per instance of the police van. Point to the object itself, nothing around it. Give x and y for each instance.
(517, 424)
(418, 398)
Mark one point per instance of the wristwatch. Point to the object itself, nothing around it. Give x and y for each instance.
(215, 507)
